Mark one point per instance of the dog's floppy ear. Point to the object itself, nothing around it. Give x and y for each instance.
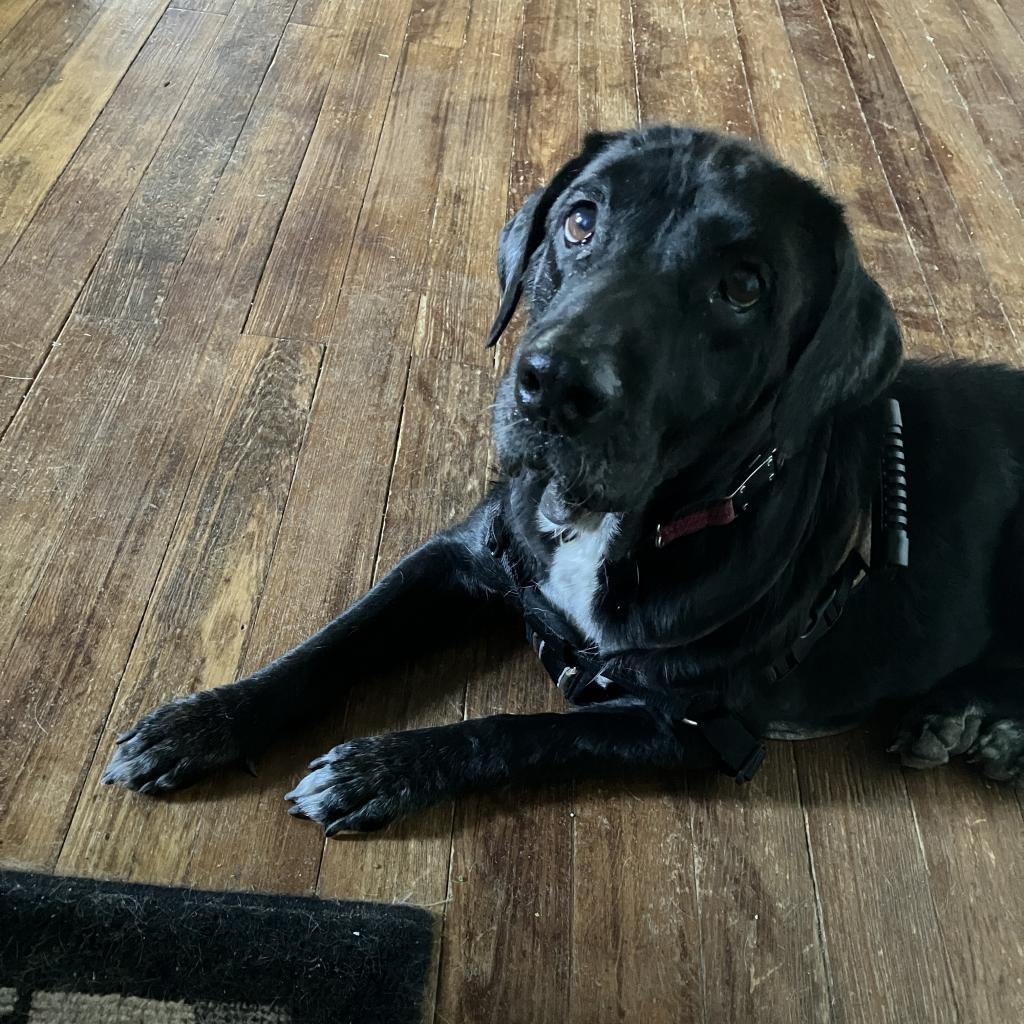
(853, 354)
(521, 236)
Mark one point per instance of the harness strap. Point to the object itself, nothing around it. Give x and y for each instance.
(584, 679)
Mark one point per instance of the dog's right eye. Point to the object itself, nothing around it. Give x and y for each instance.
(742, 287)
(579, 225)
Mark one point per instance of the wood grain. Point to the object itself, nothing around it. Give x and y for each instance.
(332, 522)
(34, 47)
(299, 291)
(970, 836)
(1014, 11)
(885, 953)
(39, 145)
(972, 316)
(202, 606)
(11, 14)
(510, 896)
(209, 6)
(152, 400)
(139, 262)
(45, 273)
(988, 208)
(985, 92)
(473, 188)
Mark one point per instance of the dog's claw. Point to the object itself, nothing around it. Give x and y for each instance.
(250, 766)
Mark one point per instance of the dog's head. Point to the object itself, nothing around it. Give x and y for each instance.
(682, 286)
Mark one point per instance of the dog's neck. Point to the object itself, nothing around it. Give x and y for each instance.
(623, 592)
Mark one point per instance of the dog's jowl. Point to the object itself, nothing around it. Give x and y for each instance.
(728, 511)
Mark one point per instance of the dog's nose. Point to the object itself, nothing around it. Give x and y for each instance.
(558, 389)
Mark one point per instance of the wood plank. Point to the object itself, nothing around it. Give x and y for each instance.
(440, 471)
(34, 47)
(546, 128)
(719, 98)
(130, 474)
(510, 896)
(209, 6)
(988, 209)
(134, 274)
(608, 91)
(636, 936)
(779, 104)
(473, 187)
(194, 630)
(862, 987)
(886, 955)
(39, 283)
(972, 316)
(513, 907)
(990, 29)
(11, 13)
(971, 836)
(985, 93)
(445, 428)
(661, 43)
(1014, 11)
(299, 291)
(45, 273)
(323, 13)
(38, 147)
(546, 131)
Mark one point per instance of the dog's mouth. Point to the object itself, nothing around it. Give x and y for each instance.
(576, 481)
(560, 509)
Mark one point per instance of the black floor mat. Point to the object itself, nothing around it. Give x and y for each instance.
(75, 950)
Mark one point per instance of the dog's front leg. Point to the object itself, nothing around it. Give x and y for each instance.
(368, 783)
(423, 595)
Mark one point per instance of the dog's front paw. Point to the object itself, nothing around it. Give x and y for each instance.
(175, 745)
(366, 784)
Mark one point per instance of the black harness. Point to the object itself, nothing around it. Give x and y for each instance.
(584, 678)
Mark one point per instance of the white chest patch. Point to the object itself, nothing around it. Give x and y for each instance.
(572, 580)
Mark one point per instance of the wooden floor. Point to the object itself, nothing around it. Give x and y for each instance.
(247, 252)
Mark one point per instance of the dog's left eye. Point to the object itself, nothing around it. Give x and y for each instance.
(741, 287)
(579, 225)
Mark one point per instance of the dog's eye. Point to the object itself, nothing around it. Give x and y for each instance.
(741, 287)
(580, 224)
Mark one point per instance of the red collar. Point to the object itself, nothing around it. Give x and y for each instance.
(760, 472)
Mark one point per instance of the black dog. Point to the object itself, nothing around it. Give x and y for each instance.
(698, 437)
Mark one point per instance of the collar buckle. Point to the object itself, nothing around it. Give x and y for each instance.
(760, 472)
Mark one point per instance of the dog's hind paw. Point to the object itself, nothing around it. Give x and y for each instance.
(999, 750)
(994, 743)
(174, 746)
(928, 740)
